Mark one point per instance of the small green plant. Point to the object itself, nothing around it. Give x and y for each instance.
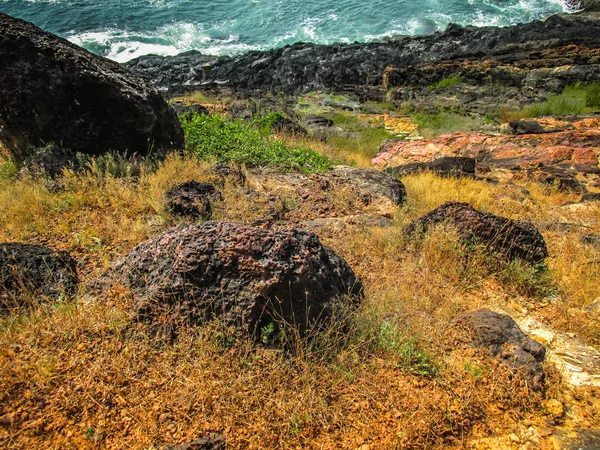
(447, 82)
(412, 355)
(8, 170)
(233, 141)
(433, 124)
(267, 333)
(474, 370)
(526, 279)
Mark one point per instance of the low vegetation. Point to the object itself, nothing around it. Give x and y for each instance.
(447, 82)
(215, 138)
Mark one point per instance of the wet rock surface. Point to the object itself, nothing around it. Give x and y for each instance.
(512, 238)
(502, 336)
(245, 276)
(34, 272)
(309, 67)
(192, 199)
(52, 91)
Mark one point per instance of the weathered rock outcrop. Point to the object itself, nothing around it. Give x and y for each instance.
(569, 157)
(308, 67)
(192, 199)
(446, 166)
(247, 277)
(512, 238)
(52, 91)
(34, 272)
(502, 336)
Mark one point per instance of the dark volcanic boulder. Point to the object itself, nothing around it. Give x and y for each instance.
(189, 109)
(447, 166)
(515, 239)
(52, 91)
(192, 199)
(526, 127)
(33, 272)
(248, 277)
(502, 336)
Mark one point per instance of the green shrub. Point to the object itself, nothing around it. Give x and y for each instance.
(526, 279)
(8, 170)
(412, 355)
(592, 98)
(233, 141)
(447, 82)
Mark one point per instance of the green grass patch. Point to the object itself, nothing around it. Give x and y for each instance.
(365, 143)
(217, 139)
(447, 82)
(576, 99)
(431, 125)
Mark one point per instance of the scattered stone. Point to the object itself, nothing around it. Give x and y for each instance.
(233, 174)
(210, 442)
(34, 270)
(371, 183)
(192, 199)
(188, 110)
(312, 121)
(593, 309)
(526, 127)
(505, 340)
(446, 166)
(52, 91)
(284, 125)
(248, 277)
(555, 408)
(514, 239)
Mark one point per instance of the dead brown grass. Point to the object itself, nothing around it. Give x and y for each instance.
(82, 375)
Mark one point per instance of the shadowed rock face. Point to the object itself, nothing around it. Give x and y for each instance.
(514, 239)
(52, 91)
(248, 277)
(210, 442)
(192, 199)
(34, 271)
(502, 336)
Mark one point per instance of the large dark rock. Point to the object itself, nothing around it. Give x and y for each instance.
(192, 199)
(370, 183)
(526, 127)
(514, 239)
(248, 277)
(502, 336)
(52, 91)
(187, 110)
(447, 166)
(34, 272)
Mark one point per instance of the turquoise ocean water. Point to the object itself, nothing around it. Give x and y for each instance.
(125, 29)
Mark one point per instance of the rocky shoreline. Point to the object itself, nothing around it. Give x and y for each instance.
(519, 59)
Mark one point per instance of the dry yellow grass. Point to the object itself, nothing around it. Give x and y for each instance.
(82, 375)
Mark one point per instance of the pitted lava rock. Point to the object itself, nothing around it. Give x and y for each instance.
(502, 336)
(514, 239)
(248, 277)
(192, 199)
(52, 91)
(34, 271)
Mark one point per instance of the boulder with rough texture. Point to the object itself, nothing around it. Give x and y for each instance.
(192, 199)
(52, 91)
(188, 110)
(446, 166)
(512, 238)
(248, 277)
(371, 183)
(34, 272)
(502, 336)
